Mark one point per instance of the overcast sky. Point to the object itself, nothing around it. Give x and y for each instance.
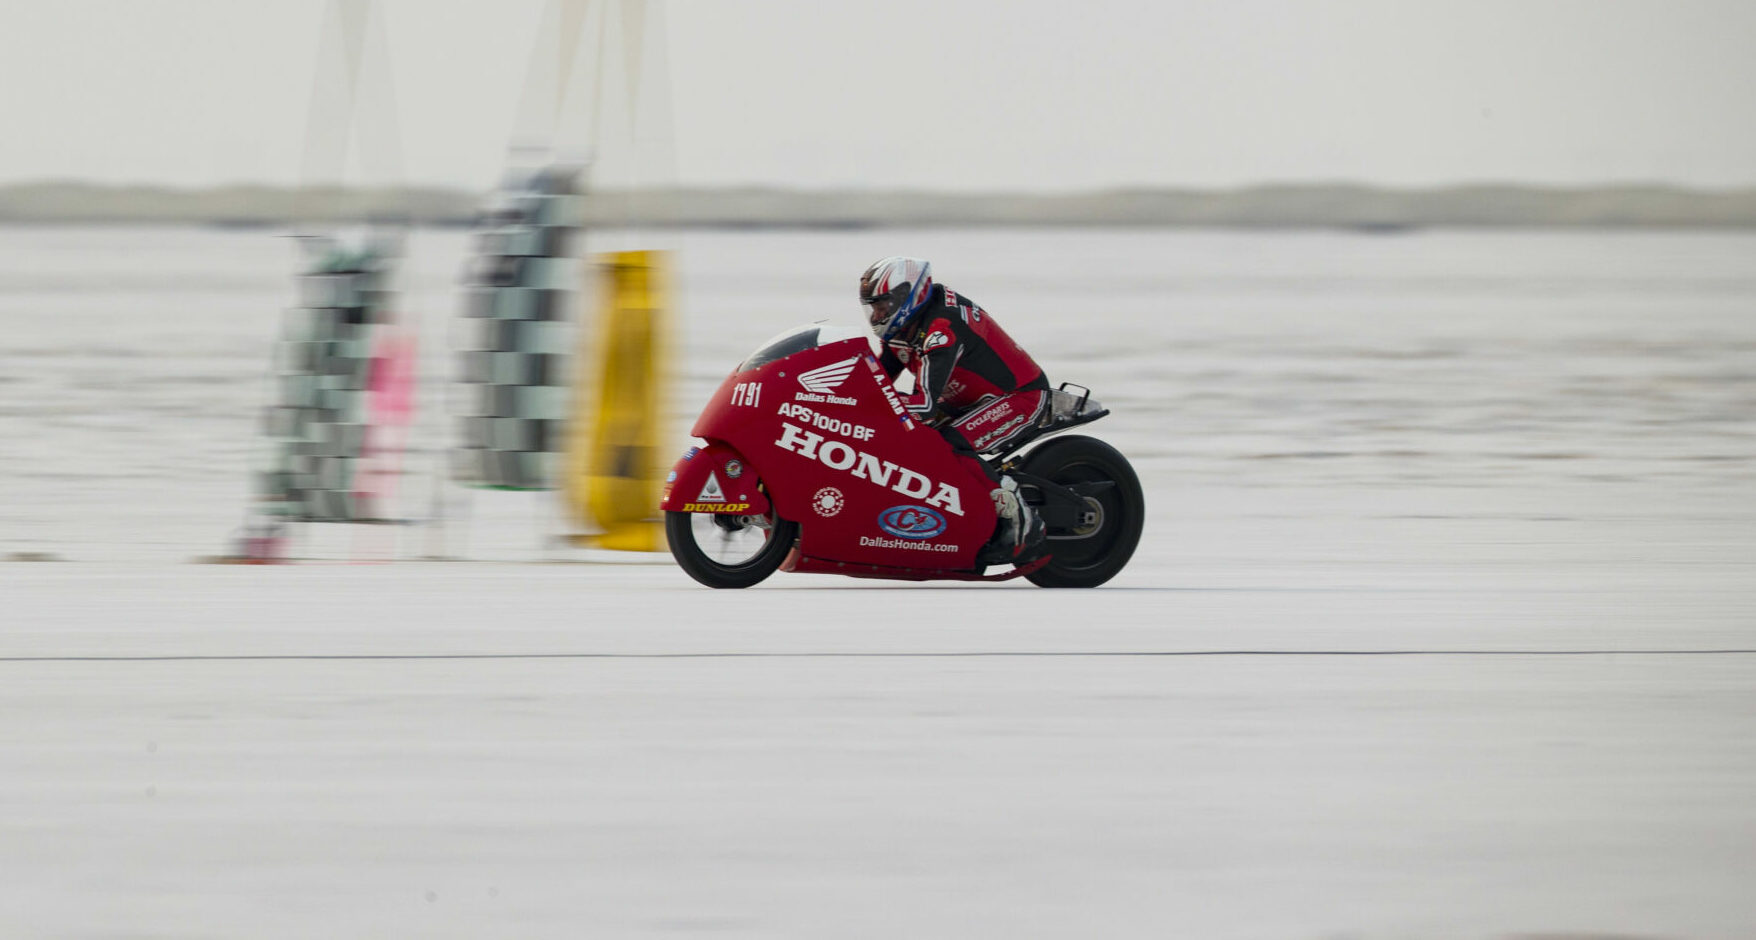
(938, 94)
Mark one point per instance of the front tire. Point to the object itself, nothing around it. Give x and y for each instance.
(1085, 559)
(723, 551)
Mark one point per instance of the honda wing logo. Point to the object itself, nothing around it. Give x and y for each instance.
(826, 379)
(823, 380)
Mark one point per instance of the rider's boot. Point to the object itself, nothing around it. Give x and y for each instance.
(1020, 528)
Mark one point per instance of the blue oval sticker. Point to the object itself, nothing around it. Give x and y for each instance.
(911, 522)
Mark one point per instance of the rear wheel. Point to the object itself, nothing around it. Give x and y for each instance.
(725, 551)
(1093, 552)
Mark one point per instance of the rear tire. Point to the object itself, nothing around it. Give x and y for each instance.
(1089, 559)
(700, 548)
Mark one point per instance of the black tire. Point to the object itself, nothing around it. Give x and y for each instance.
(1090, 559)
(685, 531)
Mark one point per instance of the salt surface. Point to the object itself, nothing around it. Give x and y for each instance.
(1522, 465)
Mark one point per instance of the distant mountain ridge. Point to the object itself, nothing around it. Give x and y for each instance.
(1297, 205)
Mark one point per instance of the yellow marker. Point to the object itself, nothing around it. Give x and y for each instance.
(612, 473)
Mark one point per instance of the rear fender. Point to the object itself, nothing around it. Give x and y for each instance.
(715, 479)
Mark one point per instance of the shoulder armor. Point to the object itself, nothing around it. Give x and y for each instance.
(940, 333)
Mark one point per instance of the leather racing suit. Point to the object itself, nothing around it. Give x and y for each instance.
(973, 383)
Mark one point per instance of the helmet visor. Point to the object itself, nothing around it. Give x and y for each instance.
(879, 304)
(879, 309)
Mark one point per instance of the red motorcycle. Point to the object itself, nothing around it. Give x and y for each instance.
(812, 464)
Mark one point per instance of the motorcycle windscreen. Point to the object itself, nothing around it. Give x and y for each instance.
(796, 340)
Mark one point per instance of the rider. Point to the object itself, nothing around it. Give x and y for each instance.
(976, 386)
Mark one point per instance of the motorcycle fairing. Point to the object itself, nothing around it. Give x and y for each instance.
(716, 479)
(840, 455)
(798, 563)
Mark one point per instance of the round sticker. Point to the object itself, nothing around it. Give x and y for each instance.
(828, 501)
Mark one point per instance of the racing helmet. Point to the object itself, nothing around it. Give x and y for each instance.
(893, 290)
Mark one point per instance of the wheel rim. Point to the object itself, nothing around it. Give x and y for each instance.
(1084, 530)
(1084, 548)
(729, 541)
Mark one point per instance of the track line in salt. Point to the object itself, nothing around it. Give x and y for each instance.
(966, 654)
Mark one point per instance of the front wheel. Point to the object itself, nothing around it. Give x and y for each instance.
(1094, 551)
(725, 551)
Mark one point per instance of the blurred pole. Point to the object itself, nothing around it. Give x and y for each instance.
(613, 476)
